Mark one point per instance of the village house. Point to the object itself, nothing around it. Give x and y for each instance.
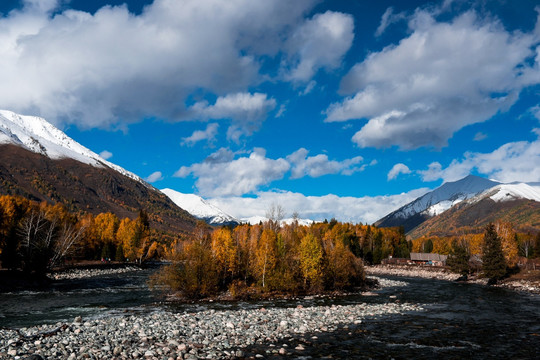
(429, 259)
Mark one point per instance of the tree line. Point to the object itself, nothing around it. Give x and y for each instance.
(37, 237)
(249, 260)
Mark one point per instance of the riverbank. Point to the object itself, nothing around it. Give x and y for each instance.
(209, 334)
(518, 282)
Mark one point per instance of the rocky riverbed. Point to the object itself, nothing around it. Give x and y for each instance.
(210, 334)
(88, 273)
(444, 274)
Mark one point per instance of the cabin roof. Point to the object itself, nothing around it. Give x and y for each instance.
(428, 257)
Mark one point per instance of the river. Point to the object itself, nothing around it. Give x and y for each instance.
(459, 320)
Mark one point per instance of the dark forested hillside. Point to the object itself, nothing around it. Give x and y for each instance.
(82, 187)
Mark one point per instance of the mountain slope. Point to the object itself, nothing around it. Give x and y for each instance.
(436, 202)
(41, 163)
(472, 217)
(200, 208)
(39, 136)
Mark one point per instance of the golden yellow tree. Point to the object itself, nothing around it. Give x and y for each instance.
(126, 235)
(224, 251)
(344, 269)
(311, 261)
(509, 244)
(266, 256)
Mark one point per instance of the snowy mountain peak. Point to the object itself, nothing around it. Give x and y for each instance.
(470, 189)
(513, 191)
(254, 220)
(437, 201)
(200, 208)
(445, 196)
(39, 136)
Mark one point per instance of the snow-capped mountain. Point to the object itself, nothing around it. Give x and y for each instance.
(509, 192)
(41, 163)
(200, 208)
(459, 194)
(517, 203)
(253, 220)
(39, 136)
(436, 202)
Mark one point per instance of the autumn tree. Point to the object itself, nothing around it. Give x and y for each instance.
(344, 269)
(13, 210)
(224, 251)
(194, 274)
(493, 262)
(266, 256)
(275, 214)
(505, 231)
(311, 262)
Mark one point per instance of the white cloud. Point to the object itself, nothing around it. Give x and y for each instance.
(366, 209)
(209, 134)
(320, 165)
(535, 110)
(389, 18)
(444, 76)
(219, 175)
(106, 154)
(247, 111)
(320, 42)
(516, 161)
(397, 169)
(112, 66)
(479, 136)
(155, 176)
(223, 174)
(281, 110)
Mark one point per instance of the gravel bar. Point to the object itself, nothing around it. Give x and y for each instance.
(209, 334)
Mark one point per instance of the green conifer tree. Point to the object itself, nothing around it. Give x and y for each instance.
(458, 261)
(493, 263)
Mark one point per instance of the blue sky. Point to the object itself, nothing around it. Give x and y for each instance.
(345, 109)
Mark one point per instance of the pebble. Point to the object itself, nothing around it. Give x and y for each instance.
(207, 334)
(88, 273)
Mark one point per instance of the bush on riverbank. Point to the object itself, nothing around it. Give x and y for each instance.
(254, 260)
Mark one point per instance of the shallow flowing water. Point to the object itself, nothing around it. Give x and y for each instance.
(459, 320)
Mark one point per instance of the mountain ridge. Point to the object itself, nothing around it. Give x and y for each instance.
(435, 202)
(200, 208)
(38, 161)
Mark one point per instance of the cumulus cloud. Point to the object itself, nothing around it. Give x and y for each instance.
(219, 175)
(106, 154)
(224, 173)
(209, 134)
(398, 169)
(155, 176)
(113, 66)
(246, 111)
(320, 165)
(320, 42)
(515, 161)
(442, 77)
(366, 209)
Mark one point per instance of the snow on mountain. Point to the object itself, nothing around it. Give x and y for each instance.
(253, 220)
(445, 196)
(513, 191)
(200, 208)
(39, 136)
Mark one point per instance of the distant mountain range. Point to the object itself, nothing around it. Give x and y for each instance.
(200, 208)
(40, 162)
(471, 202)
